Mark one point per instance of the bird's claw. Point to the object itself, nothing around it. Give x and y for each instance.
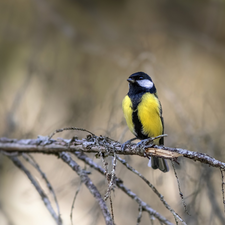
(143, 143)
(123, 146)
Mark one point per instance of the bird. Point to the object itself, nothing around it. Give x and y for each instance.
(143, 113)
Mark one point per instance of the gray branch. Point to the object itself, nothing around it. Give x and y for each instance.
(102, 146)
(105, 145)
(89, 184)
(44, 197)
(119, 184)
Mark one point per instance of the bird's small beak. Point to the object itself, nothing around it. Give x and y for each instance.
(130, 80)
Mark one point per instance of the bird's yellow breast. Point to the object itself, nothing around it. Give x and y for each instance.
(148, 111)
(127, 111)
(149, 115)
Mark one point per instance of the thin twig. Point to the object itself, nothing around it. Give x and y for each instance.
(152, 218)
(11, 154)
(74, 199)
(179, 188)
(111, 208)
(223, 188)
(111, 185)
(44, 197)
(139, 215)
(32, 161)
(89, 184)
(210, 188)
(69, 128)
(127, 191)
(176, 216)
(111, 178)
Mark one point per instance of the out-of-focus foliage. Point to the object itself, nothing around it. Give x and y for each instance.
(65, 63)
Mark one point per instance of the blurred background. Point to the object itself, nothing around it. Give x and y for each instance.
(65, 63)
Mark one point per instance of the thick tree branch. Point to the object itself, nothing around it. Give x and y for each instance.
(95, 144)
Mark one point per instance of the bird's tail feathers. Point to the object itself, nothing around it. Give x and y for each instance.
(158, 163)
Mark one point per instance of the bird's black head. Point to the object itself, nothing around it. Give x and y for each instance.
(140, 82)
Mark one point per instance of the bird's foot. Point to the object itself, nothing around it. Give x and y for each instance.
(145, 143)
(123, 146)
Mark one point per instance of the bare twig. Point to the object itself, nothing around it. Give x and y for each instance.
(152, 218)
(88, 183)
(176, 216)
(69, 128)
(44, 197)
(111, 185)
(223, 188)
(119, 183)
(139, 215)
(74, 199)
(211, 195)
(111, 207)
(111, 178)
(32, 161)
(179, 188)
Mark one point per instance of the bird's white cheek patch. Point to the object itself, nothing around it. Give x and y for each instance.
(145, 83)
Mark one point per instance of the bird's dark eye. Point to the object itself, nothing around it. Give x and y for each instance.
(141, 78)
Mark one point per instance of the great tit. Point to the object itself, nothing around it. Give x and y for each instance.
(143, 113)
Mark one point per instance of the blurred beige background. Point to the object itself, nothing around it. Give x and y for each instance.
(65, 63)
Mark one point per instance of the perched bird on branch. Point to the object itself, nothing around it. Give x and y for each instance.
(143, 113)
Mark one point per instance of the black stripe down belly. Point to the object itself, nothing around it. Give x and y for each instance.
(138, 128)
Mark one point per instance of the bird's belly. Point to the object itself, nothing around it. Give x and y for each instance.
(149, 115)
